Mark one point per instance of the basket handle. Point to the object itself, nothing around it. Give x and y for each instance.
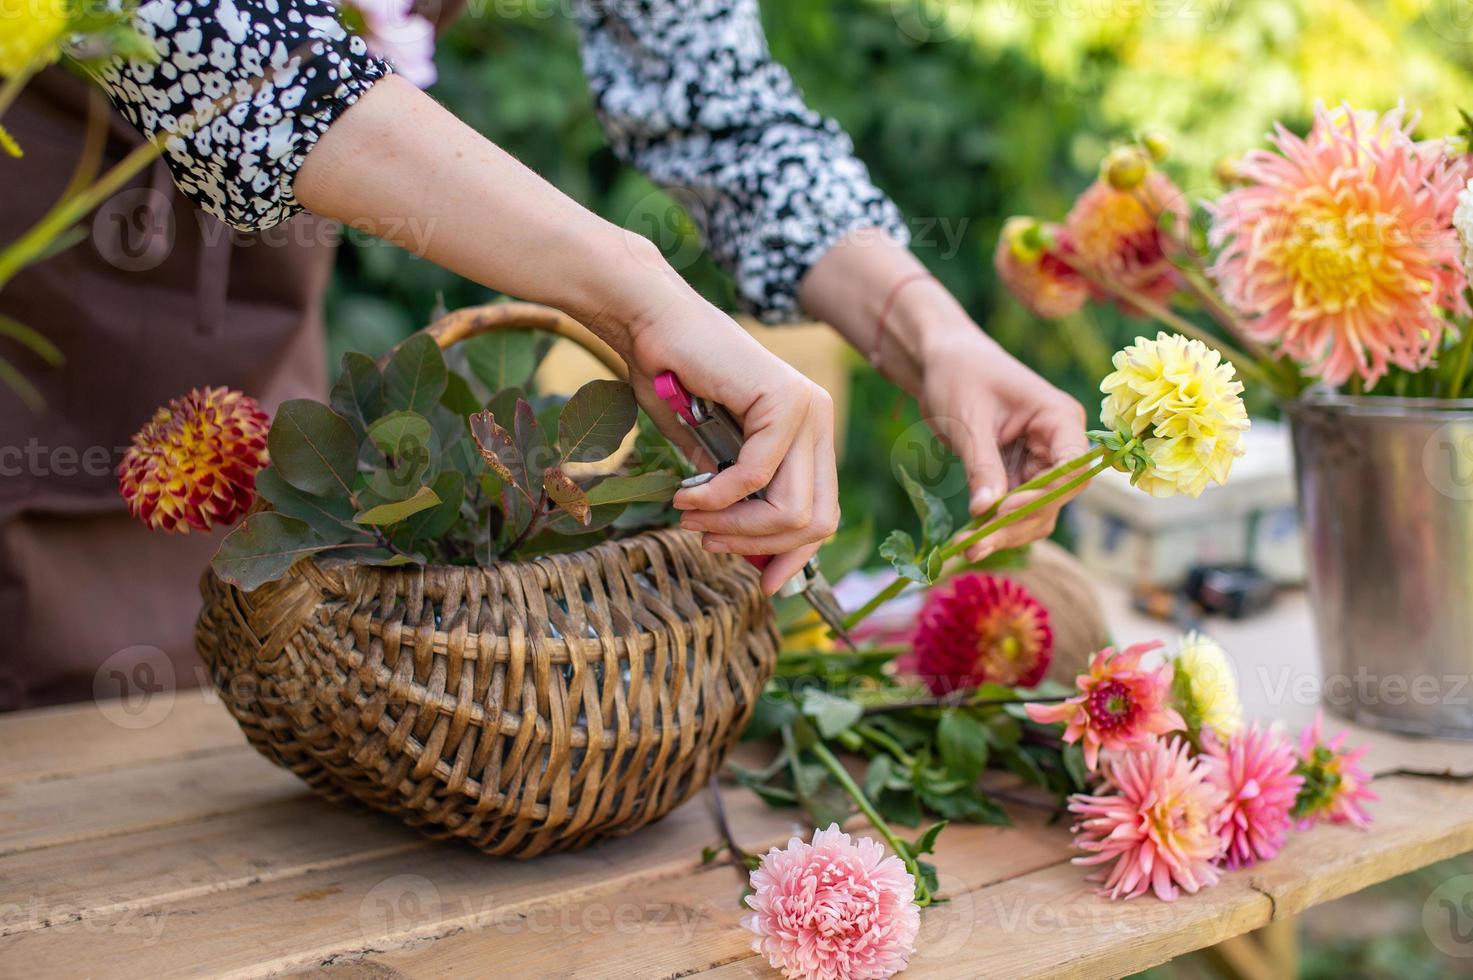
(473, 321)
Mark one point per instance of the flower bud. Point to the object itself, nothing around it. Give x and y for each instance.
(1229, 172)
(1157, 145)
(1125, 167)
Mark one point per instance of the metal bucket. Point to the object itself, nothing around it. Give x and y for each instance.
(1386, 496)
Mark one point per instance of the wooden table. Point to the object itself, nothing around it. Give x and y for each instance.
(161, 845)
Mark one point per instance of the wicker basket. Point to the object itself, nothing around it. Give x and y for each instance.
(525, 707)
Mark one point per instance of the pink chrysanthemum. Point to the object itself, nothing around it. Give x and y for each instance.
(835, 909)
(1255, 769)
(1335, 787)
(1028, 264)
(1120, 703)
(1341, 250)
(980, 629)
(1156, 818)
(194, 465)
(1118, 235)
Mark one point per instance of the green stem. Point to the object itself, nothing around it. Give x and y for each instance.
(67, 212)
(1460, 366)
(846, 782)
(1042, 480)
(1038, 503)
(887, 743)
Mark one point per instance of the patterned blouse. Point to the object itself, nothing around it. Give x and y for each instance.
(687, 92)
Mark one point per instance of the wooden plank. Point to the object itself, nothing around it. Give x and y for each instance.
(114, 880)
(127, 801)
(80, 738)
(672, 926)
(1049, 923)
(385, 903)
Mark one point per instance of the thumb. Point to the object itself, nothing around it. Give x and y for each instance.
(987, 475)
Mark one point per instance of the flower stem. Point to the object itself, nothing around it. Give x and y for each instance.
(997, 524)
(1038, 482)
(1460, 365)
(902, 850)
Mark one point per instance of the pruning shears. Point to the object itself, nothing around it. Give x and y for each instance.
(719, 433)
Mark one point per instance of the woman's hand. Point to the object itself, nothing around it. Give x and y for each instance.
(788, 422)
(398, 164)
(1005, 422)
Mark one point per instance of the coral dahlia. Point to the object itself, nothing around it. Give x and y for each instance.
(1155, 822)
(1028, 264)
(194, 465)
(1118, 236)
(1340, 249)
(836, 909)
(1256, 770)
(1120, 704)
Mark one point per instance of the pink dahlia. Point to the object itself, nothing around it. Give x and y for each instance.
(1156, 818)
(1120, 703)
(835, 909)
(1120, 236)
(1028, 264)
(1340, 249)
(980, 629)
(1255, 769)
(1335, 787)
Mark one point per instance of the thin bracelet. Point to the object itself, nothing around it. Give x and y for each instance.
(874, 351)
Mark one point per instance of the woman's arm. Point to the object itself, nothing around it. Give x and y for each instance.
(312, 119)
(1005, 422)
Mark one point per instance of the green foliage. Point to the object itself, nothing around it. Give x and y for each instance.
(407, 467)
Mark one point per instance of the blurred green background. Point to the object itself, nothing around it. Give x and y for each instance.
(966, 111)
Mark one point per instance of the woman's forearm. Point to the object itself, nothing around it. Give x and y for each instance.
(400, 166)
(849, 288)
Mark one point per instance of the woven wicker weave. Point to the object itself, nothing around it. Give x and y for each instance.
(525, 707)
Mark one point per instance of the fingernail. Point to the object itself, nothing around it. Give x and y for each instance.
(985, 498)
(689, 523)
(980, 552)
(717, 547)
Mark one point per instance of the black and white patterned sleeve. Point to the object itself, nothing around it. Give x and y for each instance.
(240, 166)
(688, 93)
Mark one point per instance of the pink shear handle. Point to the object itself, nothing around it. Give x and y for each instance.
(673, 393)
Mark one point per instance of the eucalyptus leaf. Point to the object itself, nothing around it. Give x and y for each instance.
(396, 511)
(331, 516)
(502, 359)
(634, 489)
(357, 395)
(416, 376)
(313, 448)
(458, 397)
(595, 420)
(562, 491)
(398, 432)
(499, 449)
(262, 548)
(431, 523)
(531, 439)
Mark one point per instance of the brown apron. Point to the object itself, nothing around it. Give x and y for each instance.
(157, 299)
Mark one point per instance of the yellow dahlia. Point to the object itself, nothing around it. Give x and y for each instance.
(194, 464)
(1205, 686)
(1181, 399)
(1340, 249)
(31, 33)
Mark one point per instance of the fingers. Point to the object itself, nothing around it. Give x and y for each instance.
(784, 567)
(987, 473)
(770, 430)
(1061, 428)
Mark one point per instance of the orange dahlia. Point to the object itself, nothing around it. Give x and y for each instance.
(1340, 249)
(979, 630)
(1118, 235)
(194, 465)
(1028, 264)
